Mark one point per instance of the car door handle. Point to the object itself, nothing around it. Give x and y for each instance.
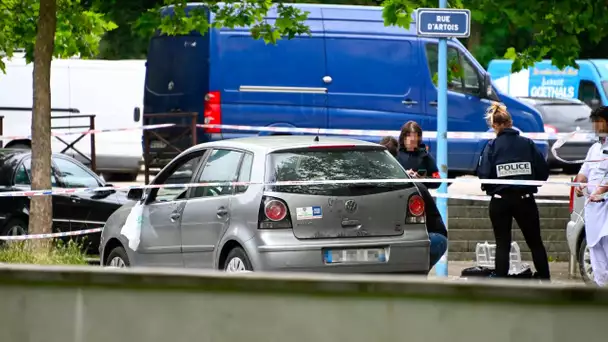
(174, 216)
(222, 211)
(433, 103)
(75, 199)
(409, 102)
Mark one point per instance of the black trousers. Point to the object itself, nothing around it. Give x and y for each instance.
(525, 212)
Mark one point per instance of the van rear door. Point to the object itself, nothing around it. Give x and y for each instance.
(177, 80)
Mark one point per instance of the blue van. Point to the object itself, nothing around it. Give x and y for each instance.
(351, 73)
(588, 84)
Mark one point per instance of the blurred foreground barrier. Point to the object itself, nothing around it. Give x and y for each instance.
(91, 304)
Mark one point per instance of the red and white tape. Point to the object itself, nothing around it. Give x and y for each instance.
(92, 131)
(50, 235)
(578, 136)
(47, 192)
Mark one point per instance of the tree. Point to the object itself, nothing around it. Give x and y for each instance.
(64, 28)
(46, 28)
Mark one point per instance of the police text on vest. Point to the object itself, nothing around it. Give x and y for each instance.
(514, 169)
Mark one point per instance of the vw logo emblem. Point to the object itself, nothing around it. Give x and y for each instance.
(350, 206)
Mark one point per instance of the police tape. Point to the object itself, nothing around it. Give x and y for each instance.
(488, 198)
(92, 131)
(98, 230)
(582, 136)
(50, 235)
(59, 191)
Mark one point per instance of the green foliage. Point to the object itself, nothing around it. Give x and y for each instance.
(79, 31)
(26, 252)
(250, 14)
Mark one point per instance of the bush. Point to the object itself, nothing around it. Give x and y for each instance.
(34, 252)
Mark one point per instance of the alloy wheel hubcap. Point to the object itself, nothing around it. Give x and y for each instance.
(16, 230)
(236, 265)
(117, 262)
(587, 263)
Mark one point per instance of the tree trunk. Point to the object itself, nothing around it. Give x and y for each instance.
(475, 38)
(41, 210)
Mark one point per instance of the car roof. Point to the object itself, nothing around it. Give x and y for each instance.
(268, 144)
(550, 101)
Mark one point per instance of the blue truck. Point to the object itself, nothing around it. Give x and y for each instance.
(352, 72)
(588, 83)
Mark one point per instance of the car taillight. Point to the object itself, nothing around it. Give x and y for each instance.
(415, 210)
(274, 214)
(213, 111)
(571, 203)
(550, 129)
(275, 210)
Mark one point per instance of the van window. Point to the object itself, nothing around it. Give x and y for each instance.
(587, 92)
(470, 81)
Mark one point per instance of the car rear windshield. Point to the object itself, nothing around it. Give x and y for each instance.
(334, 164)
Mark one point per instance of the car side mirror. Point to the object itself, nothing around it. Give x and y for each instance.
(594, 103)
(135, 194)
(136, 114)
(487, 91)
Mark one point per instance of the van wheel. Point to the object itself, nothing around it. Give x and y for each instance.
(584, 263)
(118, 258)
(237, 261)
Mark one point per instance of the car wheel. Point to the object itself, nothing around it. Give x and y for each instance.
(584, 263)
(237, 261)
(15, 227)
(118, 258)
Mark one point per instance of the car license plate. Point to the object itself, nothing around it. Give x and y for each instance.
(345, 256)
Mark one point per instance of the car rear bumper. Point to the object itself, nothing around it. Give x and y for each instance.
(569, 151)
(281, 251)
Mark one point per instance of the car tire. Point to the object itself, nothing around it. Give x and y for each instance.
(584, 263)
(237, 261)
(14, 227)
(118, 258)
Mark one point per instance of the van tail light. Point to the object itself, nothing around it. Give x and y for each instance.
(571, 202)
(213, 111)
(415, 210)
(274, 214)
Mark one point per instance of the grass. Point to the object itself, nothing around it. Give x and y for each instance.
(28, 252)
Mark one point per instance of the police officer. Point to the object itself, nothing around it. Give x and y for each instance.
(511, 156)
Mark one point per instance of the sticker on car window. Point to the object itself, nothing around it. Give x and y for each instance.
(309, 213)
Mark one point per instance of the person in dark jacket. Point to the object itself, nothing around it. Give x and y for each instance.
(513, 157)
(438, 234)
(414, 156)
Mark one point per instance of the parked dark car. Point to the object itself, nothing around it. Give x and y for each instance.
(83, 210)
(564, 116)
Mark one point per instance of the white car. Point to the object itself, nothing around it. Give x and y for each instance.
(575, 234)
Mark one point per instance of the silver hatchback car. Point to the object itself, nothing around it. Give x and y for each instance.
(352, 228)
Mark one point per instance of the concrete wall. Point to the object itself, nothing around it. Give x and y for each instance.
(469, 224)
(90, 304)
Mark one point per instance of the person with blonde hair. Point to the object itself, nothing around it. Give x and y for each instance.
(512, 157)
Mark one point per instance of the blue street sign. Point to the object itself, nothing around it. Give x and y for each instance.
(442, 22)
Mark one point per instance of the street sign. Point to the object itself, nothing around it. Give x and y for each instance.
(442, 22)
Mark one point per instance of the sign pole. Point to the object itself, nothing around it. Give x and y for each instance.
(443, 23)
(441, 269)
